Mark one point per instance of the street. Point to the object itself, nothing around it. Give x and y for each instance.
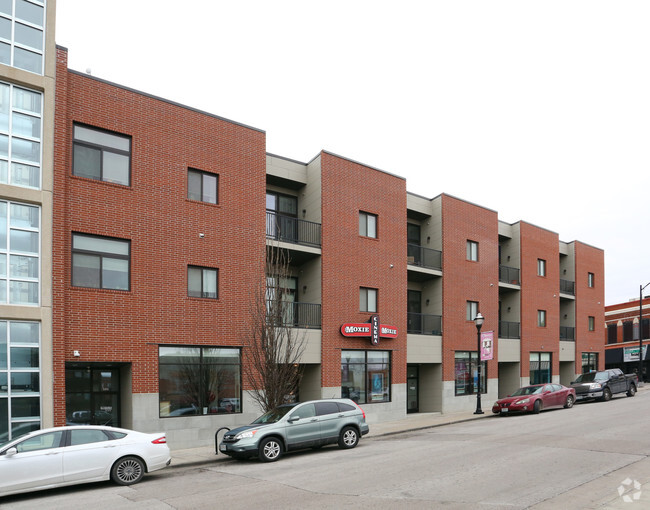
(575, 458)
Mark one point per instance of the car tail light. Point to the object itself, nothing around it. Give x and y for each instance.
(160, 440)
(361, 409)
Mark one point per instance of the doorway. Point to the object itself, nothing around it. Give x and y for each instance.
(92, 395)
(412, 389)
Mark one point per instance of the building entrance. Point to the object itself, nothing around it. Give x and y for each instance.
(412, 389)
(92, 395)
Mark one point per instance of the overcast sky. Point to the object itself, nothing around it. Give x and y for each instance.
(538, 110)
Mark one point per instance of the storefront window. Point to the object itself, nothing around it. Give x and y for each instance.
(466, 373)
(589, 361)
(540, 367)
(199, 380)
(365, 376)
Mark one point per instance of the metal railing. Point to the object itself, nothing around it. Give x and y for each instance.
(567, 333)
(292, 230)
(424, 324)
(509, 275)
(509, 329)
(424, 257)
(298, 315)
(567, 287)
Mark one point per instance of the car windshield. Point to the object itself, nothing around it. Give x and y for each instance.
(591, 377)
(528, 390)
(274, 415)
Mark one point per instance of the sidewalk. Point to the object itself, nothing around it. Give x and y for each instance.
(206, 454)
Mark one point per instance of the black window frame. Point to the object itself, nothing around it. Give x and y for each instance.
(366, 310)
(471, 250)
(101, 255)
(591, 280)
(203, 293)
(541, 318)
(203, 173)
(541, 267)
(367, 391)
(102, 149)
(367, 215)
(469, 385)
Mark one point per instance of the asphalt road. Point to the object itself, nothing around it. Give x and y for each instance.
(595, 455)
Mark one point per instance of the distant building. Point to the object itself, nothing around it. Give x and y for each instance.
(622, 335)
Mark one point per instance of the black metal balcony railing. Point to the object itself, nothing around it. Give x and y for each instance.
(509, 275)
(567, 333)
(297, 315)
(424, 257)
(424, 324)
(292, 230)
(509, 329)
(567, 287)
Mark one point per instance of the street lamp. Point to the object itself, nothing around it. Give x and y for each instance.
(478, 320)
(640, 374)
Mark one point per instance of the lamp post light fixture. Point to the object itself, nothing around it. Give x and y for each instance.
(478, 320)
(640, 374)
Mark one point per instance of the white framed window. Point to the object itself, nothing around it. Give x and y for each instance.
(472, 251)
(22, 34)
(541, 318)
(367, 224)
(20, 136)
(472, 310)
(541, 267)
(367, 300)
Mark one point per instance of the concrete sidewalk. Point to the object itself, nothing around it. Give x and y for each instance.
(206, 454)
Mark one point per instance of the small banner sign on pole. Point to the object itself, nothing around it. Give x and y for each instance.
(487, 345)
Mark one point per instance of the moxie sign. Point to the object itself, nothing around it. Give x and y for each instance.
(371, 329)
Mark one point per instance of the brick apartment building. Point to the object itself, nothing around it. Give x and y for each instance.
(160, 216)
(622, 335)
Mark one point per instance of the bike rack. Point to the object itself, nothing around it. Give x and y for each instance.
(216, 439)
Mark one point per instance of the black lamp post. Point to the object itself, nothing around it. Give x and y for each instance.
(640, 374)
(478, 320)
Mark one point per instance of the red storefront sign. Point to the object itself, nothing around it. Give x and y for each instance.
(372, 329)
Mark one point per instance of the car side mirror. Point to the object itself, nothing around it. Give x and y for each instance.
(11, 452)
(293, 418)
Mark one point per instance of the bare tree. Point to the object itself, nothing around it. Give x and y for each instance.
(273, 349)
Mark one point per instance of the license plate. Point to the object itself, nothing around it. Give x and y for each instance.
(504, 409)
(223, 447)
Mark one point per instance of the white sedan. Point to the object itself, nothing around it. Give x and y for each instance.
(61, 456)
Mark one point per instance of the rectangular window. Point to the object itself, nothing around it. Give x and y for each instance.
(590, 279)
(281, 217)
(472, 251)
(367, 224)
(540, 367)
(592, 323)
(368, 300)
(20, 391)
(365, 376)
(541, 267)
(202, 186)
(22, 26)
(466, 373)
(19, 253)
(202, 282)
(100, 262)
(472, 310)
(589, 361)
(612, 333)
(20, 136)
(541, 318)
(101, 155)
(199, 380)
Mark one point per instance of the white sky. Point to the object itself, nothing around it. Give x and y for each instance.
(538, 110)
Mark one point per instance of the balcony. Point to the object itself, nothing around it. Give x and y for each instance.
(509, 329)
(288, 229)
(567, 333)
(299, 315)
(424, 257)
(423, 324)
(509, 275)
(567, 287)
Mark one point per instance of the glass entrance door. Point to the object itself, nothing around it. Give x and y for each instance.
(92, 396)
(412, 380)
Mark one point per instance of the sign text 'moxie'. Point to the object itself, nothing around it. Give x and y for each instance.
(372, 329)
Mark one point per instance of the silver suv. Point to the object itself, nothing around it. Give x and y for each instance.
(309, 424)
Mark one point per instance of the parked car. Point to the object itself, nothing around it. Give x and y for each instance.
(296, 426)
(61, 456)
(605, 383)
(534, 398)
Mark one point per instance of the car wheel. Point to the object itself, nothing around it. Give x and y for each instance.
(270, 449)
(569, 402)
(537, 406)
(607, 394)
(127, 471)
(349, 437)
(632, 391)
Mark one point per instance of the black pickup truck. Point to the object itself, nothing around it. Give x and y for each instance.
(605, 383)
